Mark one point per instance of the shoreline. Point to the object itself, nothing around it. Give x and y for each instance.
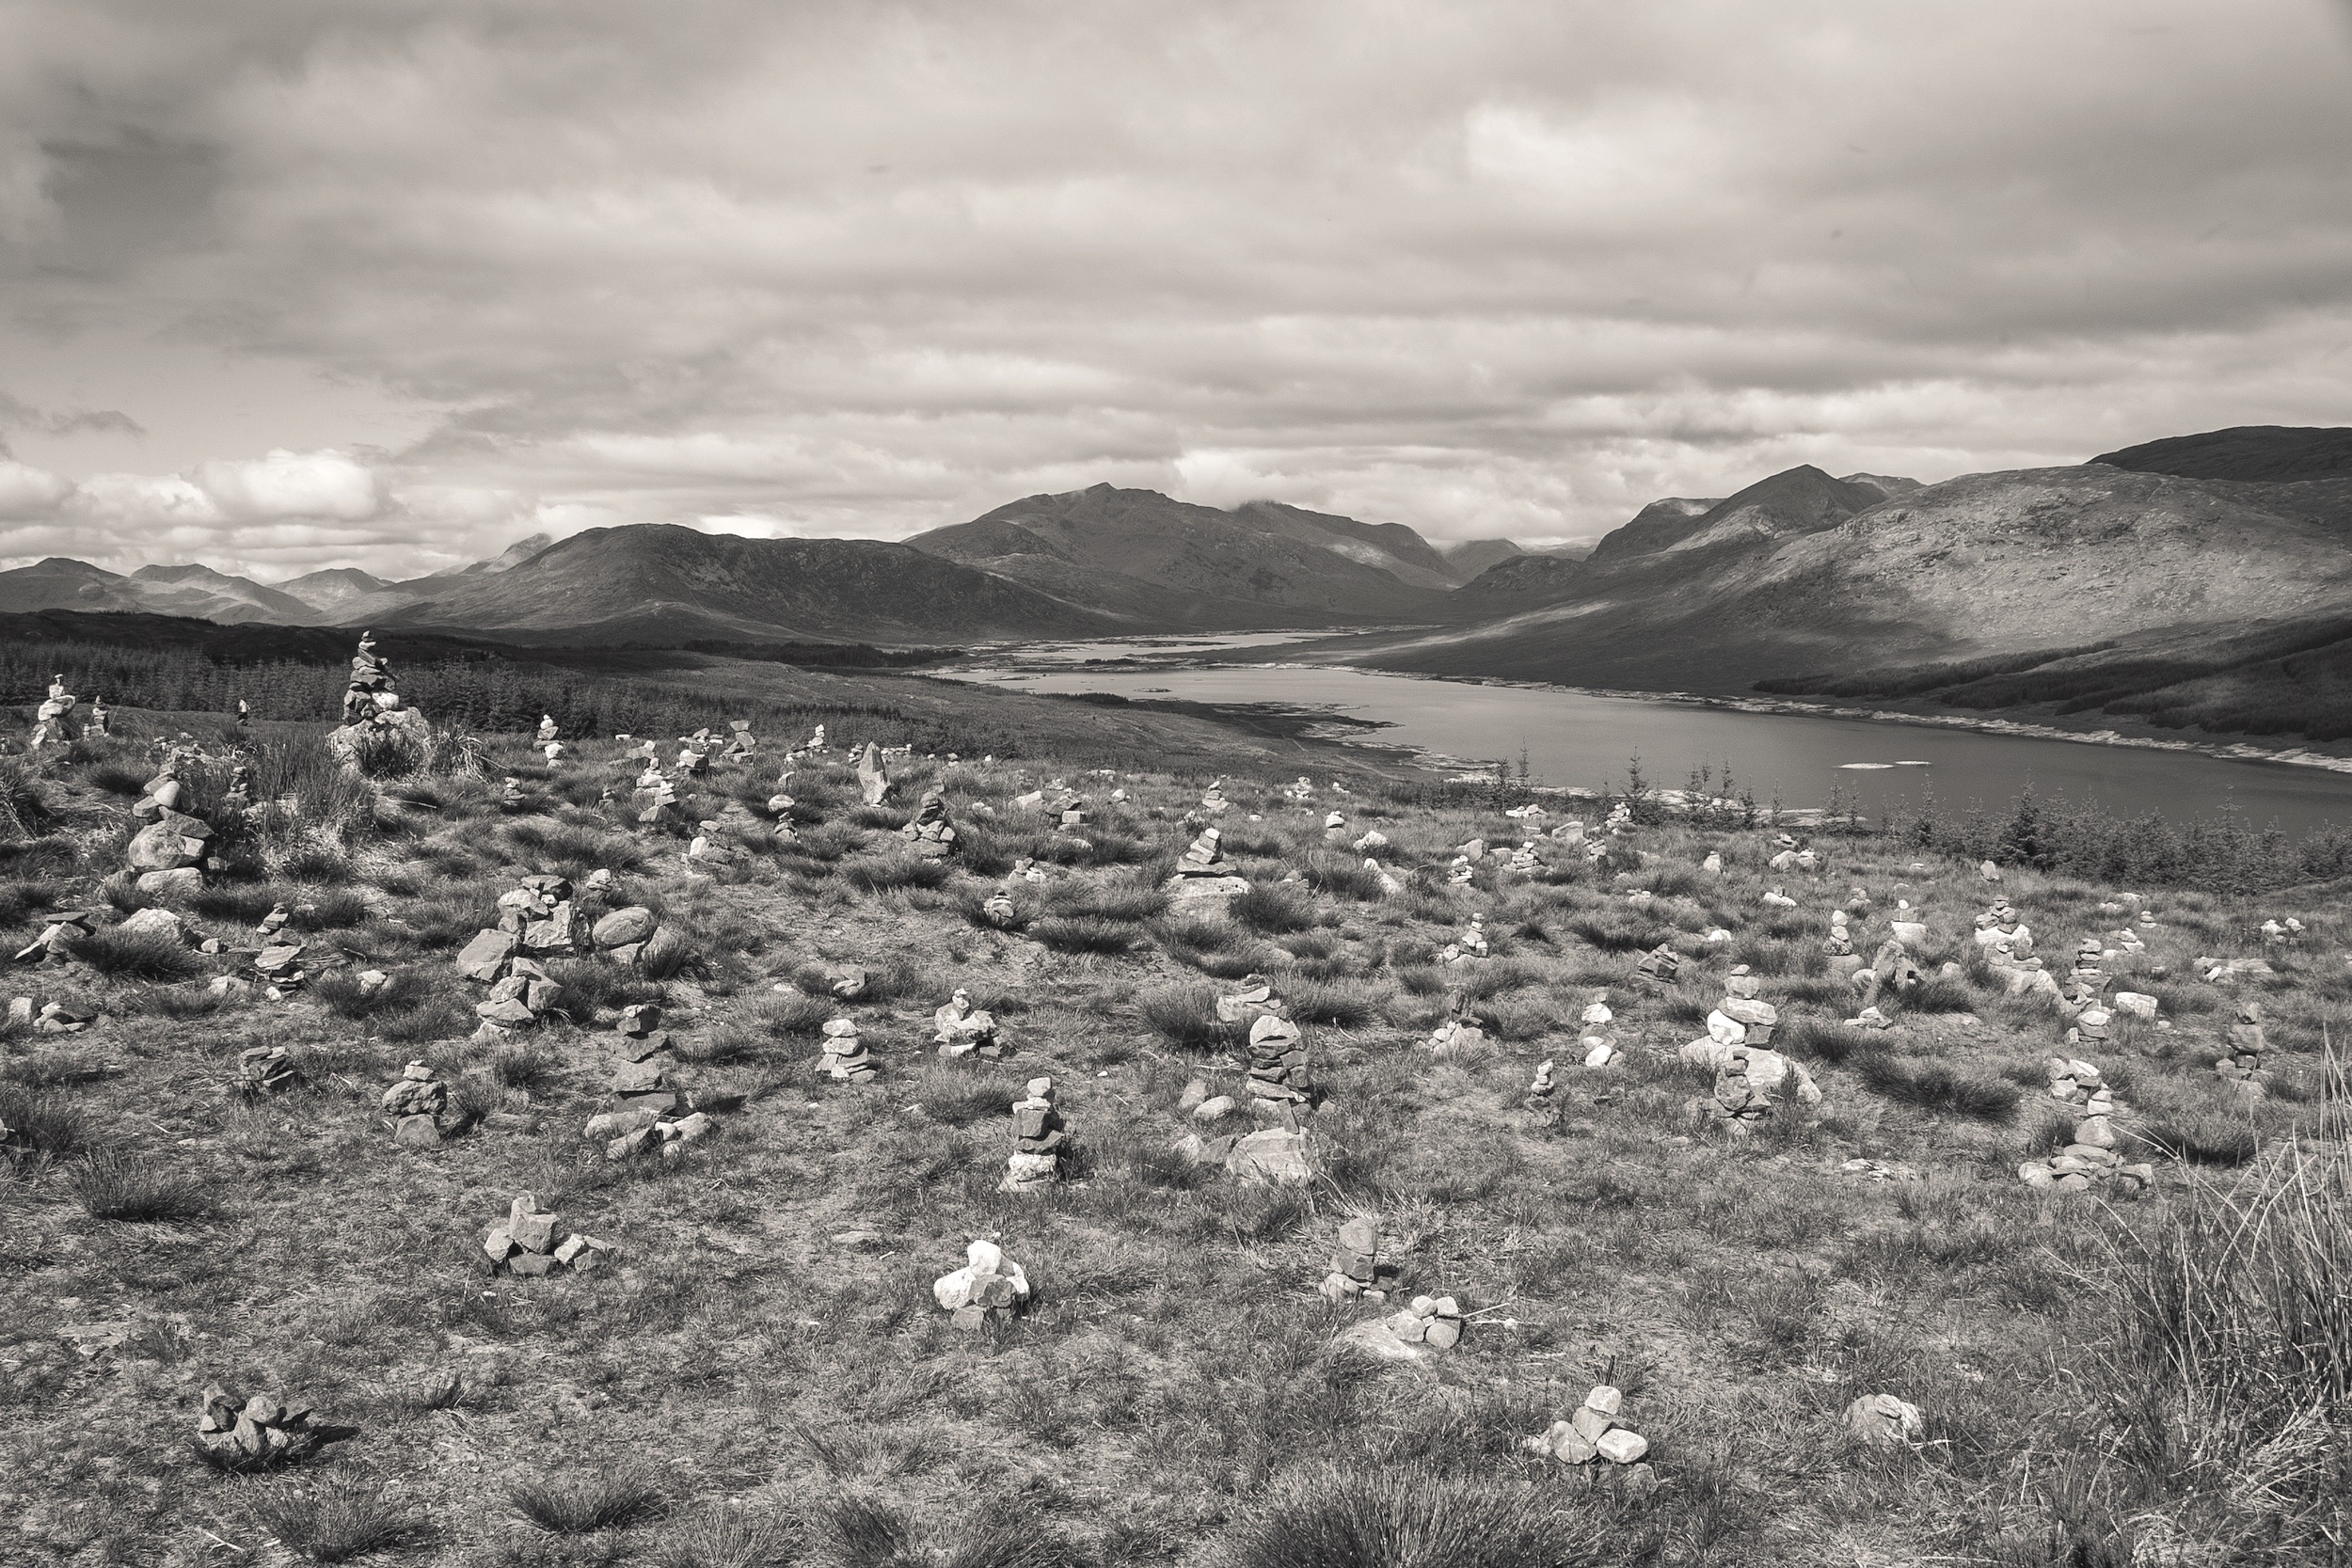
(2293, 756)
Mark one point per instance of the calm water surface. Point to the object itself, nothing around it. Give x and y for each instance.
(1571, 740)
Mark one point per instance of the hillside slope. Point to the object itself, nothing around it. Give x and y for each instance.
(1114, 547)
(2265, 453)
(665, 583)
(60, 583)
(1981, 564)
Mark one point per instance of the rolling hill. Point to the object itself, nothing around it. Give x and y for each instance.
(665, 583)
(1138, 554)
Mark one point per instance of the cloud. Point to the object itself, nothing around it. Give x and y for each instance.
(28, 492)
(1485, 267)
(322, 485)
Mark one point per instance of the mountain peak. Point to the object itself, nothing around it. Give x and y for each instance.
(2268, 454)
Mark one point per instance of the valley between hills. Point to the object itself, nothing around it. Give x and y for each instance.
(2197, 586)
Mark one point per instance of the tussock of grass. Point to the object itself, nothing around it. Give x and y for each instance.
(1087, 933)
(1342, 877)
(1185, 1016)
(1936, 1087)
(139, 954)
(584, 1502)
(1328, 1516)
(335, 1517)
(48, 1124)
(884, 873)
(1271, 911)
(117, 1184)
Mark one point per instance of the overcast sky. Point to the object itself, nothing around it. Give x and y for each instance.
(286, 284)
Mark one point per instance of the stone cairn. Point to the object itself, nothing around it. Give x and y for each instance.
(873, 784)
(1599, 1050)
(653, 796)
(417, 1102)
(1372, 838)
(1213, 799)
(1838, 947)
(1749, 1075)
(1777, 897)
(1525, 862)
(171, 852)
(1434, 1323)
(371, 708)
(54, 946)
(693, 756)
(1203, 882)
(780, 804)
(2280, 933)
(960, 1029)
(648, 1111)
(254, 1434)
(1465, 859)
(2088, 1018)
(1356, 1272)
(1540, 1090)
(531, 1242)
(1592, 1433)
(2247, 1045)
(1254, 1000)
(846, 1059)
(53, 1018)
(741, 746)
(1278, 1076)
(1621, 819)
(1714, 865)
(1470, 944)
(263, 1069)
(931, 835)
(1658, 967)
(1334, 826)
(1040, 1136)
(536, 920)
(550, 734)
(1458, 1034)
(2090, 1160)
(989, 1289)
(49, 718)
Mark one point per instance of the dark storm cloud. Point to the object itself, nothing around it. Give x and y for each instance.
(1483, 268)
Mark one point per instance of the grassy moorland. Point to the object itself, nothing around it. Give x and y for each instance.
(761, 1376)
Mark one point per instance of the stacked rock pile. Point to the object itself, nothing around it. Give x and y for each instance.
(1278, 1064)
(1659, 966)
(846, 1059)
(1892, 970)
(1334, 826)
(741, 746)
(253, 1434)
(1540, 1089)
(98, 723)
(1434, 1321)
(2247, 1045)
(960, 1029)
(263, 1069)
(1203, 881)
(1469, 944)
(1599, 1050)
(1040, 1136)
(2088, 1018)
(1357, 1272)
(54, 1018)
(531, 1242)
(693, 754)
(417, 1102)
(1373, 838)
(1713, 864)
(1621, 819)
(1525, 862)
(873, 784)
(1000, 912)
(536, 920)
(2088, 972)
(2000, 923)
(780, 804)
(1458, 1034)
(48, 719)
(1777, 897)
(1748, 1081)
(655, 796)
(58, 933)
(2278, 933)
(372, 710)
(1592, 1432)
(931, 835)
(1253, 1000)
(989, 1289)
(1838, 947)
(1213, 799)
(170, 853)
(278, 965)
(2090, 1160)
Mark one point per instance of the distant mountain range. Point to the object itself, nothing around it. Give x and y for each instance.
(1801, 579)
